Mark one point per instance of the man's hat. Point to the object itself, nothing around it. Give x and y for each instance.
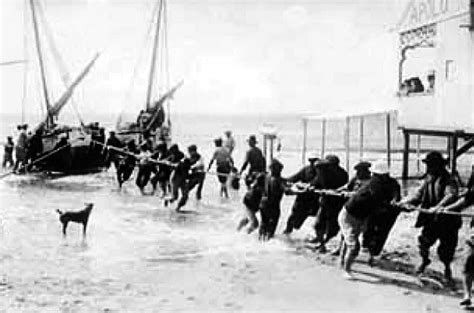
(322, 163)
(252, 138)
(192, 148)
(277, 165)
(434, 157)
(332, 159)
(362, 165)
(380, 167)
(313, 157)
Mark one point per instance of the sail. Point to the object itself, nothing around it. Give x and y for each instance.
(156, 109)
(57, 107)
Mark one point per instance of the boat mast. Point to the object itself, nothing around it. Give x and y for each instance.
(41, 62)
(153, 56)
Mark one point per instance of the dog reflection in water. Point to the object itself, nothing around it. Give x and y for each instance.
(81, 217)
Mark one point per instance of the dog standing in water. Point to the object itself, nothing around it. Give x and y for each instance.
(81, 217)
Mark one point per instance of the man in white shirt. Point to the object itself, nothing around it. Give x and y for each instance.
(229, 141)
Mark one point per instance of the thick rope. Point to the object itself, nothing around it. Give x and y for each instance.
(47, 155)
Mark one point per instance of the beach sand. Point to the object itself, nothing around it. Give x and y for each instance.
(140, 256)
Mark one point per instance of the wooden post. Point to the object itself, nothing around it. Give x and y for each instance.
(305, 138)
(389, 141)
(323, 138)
(265, 146)
(454, 148)
(406, 154)
(418, 150)
(347, 142)
(361, 141)
(449, 147)
(271, 149)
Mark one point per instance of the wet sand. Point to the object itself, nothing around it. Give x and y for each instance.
(140, 256)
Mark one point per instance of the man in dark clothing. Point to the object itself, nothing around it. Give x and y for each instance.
(188, 174)
(127, 163)
(254, 157)
(330, 176)
(464, 202)
(361, 178)
(163, 171)
(382, 219)
(112, 156)
(438, 189)
(382, 190)
(145, 167)
(8, 153)
(176, 179)
(270, 203)
(306, 203)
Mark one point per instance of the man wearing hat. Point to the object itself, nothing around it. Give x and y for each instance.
(306, 203)
(380, 191)
(438, 190)
(254, 157)
(382, 219)
(270, 203)
(361, 178)
(329, 176)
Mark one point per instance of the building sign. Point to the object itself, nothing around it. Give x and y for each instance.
(420, 12)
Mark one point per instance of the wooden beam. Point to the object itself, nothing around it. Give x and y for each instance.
(468, 145)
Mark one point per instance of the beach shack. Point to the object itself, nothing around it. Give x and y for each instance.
(436, 75)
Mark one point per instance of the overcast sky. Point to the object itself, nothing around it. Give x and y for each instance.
(254, 56)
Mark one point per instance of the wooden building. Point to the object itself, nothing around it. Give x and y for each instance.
(436, 74)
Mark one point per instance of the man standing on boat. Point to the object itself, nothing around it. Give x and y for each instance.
(254, 157)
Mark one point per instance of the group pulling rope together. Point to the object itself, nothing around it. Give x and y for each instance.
(365, 206)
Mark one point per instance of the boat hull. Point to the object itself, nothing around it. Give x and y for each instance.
(83, 155)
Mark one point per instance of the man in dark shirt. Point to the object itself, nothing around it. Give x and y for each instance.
(330, 176)
(381, 191)
(112, 156)
(254, 157)
(438, 190)
(8, 153)
(270, 203)
(306, 203)
(127, 163)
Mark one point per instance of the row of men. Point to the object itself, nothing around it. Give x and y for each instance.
(370, 198)
(168, 169)
(367, 205)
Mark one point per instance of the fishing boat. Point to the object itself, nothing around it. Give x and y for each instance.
(153, 120)
(54, 147)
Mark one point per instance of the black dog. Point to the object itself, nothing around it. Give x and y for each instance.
(77, 217)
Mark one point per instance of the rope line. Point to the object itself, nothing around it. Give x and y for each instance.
(47, 155)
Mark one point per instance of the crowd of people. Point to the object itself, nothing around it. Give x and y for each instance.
(365, 206)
